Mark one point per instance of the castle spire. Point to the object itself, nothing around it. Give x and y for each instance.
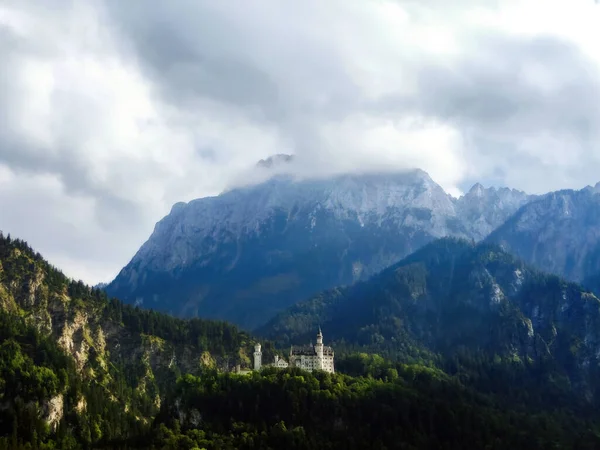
(257, 357)
(319, 349)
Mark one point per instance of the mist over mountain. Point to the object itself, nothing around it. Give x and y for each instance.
(275, 161)
(252, 251)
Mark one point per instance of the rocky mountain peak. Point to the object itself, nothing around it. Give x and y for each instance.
(477, 190)
(267, 245)
(558, 232)
(484, 209)
(593, 189)
(275, 161)
(275, 242)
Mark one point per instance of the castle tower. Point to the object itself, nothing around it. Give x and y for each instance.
(319, 350)
(257, 357)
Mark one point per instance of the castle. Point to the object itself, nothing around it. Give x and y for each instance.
(308, 357)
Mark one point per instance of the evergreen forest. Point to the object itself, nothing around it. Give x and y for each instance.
(81, 371)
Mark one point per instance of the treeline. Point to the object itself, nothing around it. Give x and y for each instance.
(46, 401)
(384, 405)
(217, 337)
(528, 386)
(410, 409)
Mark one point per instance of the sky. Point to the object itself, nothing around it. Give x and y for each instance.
(111, 111)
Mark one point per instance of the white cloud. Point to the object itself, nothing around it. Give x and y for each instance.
(112, 111)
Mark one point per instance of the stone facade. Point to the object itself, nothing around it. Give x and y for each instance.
(280, 362)
(307, 357)
(257, 357)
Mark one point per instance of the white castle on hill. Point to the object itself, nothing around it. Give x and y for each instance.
(308, 357)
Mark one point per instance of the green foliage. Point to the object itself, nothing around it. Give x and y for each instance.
(416, 374)
(21, 265)
(219, 338)
(34, 371)
(417, 408)
(453, 297)
(114, 396)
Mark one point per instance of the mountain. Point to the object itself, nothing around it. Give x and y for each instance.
(483, 210)
(250, 252)
(452, 297)
(558, 233)
(79, 367)
(275, 161)
(80, 371)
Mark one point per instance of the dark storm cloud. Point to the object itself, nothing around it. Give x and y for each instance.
(191, 56)
(228, 54)
(506, 85)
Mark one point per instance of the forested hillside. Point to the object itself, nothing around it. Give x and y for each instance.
(79, 371)
(395, 407)
(76, 367)
(456, 299)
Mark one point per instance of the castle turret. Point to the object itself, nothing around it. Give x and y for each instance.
(319, 350)
(257, 357)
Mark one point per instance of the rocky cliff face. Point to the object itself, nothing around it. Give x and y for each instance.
(483, 210)
(558, 233)
(83, 331)
(250, 252)
(111, 345)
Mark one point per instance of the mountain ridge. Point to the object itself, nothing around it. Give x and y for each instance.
(72, 356)
(452, 295)
(250, 252)
(558, 233)
(67, 383)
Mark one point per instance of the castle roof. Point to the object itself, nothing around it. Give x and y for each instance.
(309, 350)
(303, 350)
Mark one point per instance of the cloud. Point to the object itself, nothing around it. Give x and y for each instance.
(462, 92)
(112, 111)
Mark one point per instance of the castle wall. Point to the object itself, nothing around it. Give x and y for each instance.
(308, 358)
(280, 363)
(257, 357)
(310, 363)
